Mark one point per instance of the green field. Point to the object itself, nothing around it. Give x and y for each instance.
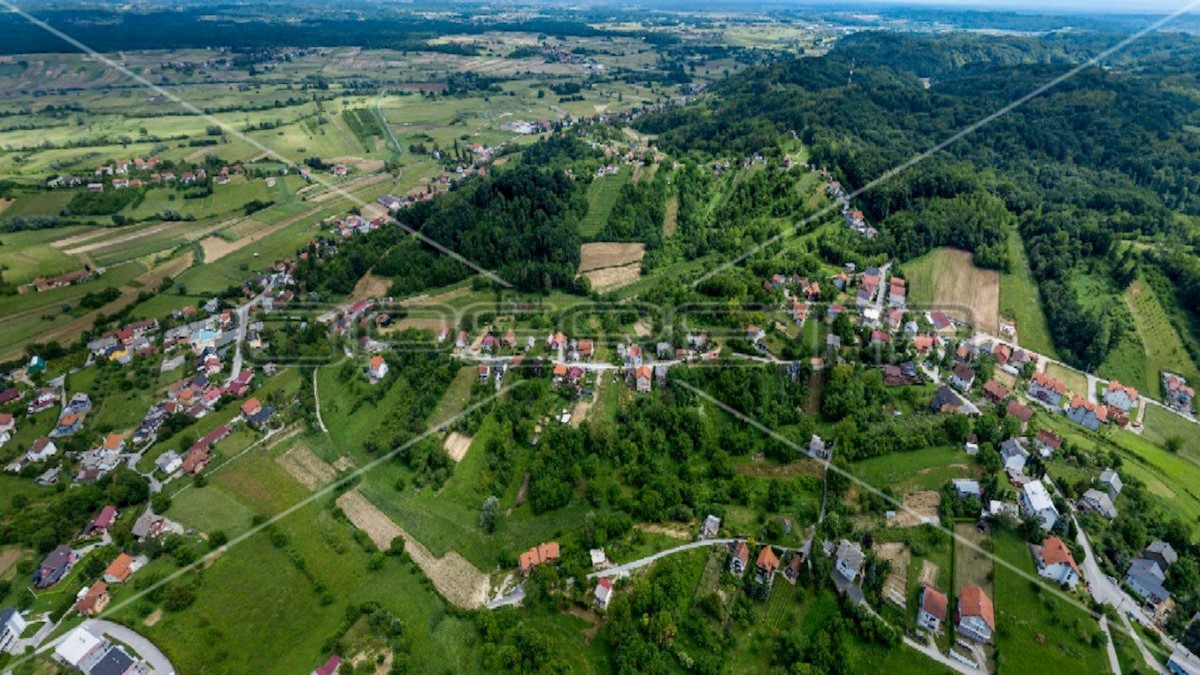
(601, 197)
(1161, 425)
(1162, 347)
(1021, 301)
(1036, 630)
(928, 469)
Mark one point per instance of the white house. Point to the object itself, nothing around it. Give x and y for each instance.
(1013, 454)
(933, 609)
(12, 625)
(1035, 501)
(1098, 502)
(1120, 396)
(604, 591)
(1055, 562)
(80, 649)
(962, 377)
(1111, 482)
(849, 559)
(378, 369)
(976, 615)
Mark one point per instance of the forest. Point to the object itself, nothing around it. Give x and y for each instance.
(1074, 169)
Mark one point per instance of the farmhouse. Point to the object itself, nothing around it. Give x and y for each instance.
(976, 616)
(603, 593)
(1047, 389)
(1054, 561)
(933, 609)
(47, 283)
(1095, 501)
(538, 555)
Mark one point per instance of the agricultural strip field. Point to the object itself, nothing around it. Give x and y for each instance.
(1164, 350)
(946, 279)
(1020, 301)
(602, 195)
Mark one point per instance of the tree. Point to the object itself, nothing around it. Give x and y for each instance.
(487, 516)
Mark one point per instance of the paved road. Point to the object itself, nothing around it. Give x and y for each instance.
(159, 663)
(941, 658)
(243, 318)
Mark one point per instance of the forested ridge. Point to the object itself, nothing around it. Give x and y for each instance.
(1076, 169)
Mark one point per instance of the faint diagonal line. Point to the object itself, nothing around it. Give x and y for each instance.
(233, 131)
(918, 158)
(321, 493)
(891, 500)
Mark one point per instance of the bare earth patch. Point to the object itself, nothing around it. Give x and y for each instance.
(453, 576)
(614, 277)
(8, 558)
(343, 463)
(609, 254)
(154, 617)
(919, 507)
(895, 588)
(309, 470)
(364, 165)
(456, 445)
(215, 248)
(929, 573)
(677, 531)
(370, 286)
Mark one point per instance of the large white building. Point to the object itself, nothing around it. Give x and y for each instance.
(1035, 501)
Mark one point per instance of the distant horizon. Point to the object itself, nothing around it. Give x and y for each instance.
(1030, 7)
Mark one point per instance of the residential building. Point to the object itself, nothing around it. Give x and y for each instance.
(1146, 579)
(946, 401)
(94, 600)
(81, 650)
(1036, 502)
(1161, 553)
(965, 487)
(1047, 442)
(739, 559)
(962, 377)
(1087, 414)
(12, 625)
(1110, 482)
(603, 593)
(378, 368)
(1013, 454)
(1047, 389)
(1120, 396)
(538, 555)
(1019, 412)
(54, 566)
(1055, 562)
(121, 568)
(643, 376)
(709, 528)
(933, 609)
(976, 617)
(1099, 502)
(767, 564)
(849, 559)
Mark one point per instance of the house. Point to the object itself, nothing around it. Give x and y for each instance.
(7, 423)
(643, 375)
(41, 450)
(113, 443)
(103, 521)
(43, 399)
(1047, 442)
(1160, 553)
(251, 407)
(1099, 502)
(976, 617)
(767, 564)
(81, 649)
(933, 609)
(149, 526)
(1179, 395)
(941, 323)
(971, 445)
(739, 559)
(603, 593)
(1054, 561)
(849, 559)
(962, 377)
(1013, 454)
(1087, 414)
(1146, 579)
(1111, 482)
(924, 343)
(94, 600)
(169, 462)
(121, 568)
(946, 401)
(12, 625)
(1020, 412)
(599, 559)
(791, 571)
(378, 369)
(1036, 502)
(538, 555)
(1046, 389)
(54, 567)
(68, 425)
(816, 446)
(1120, 396)
(330, 667)
(995, 391)
(965, 487)
(709, 528)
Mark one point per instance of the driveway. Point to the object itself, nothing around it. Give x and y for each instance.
(159, 663)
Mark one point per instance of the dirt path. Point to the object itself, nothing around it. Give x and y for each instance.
(453, 576)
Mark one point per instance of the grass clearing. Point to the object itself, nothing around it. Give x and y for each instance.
(1163, 348)
(927, 469)
(1021, 302)
(602, 195)
(1161, 425)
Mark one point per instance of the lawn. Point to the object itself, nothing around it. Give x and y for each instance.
(1021, 301)
(1076, 381)
(1161, 425)
(1037, 630)
(927, 469)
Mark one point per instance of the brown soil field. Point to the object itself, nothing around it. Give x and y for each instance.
(453, 576)
(917, 505)
(614, 277)
(929, 574)
(215, 248)
(370, 286)
(895, 588)
(308, 469)
(457, 445)
(360, 163)
(600, 255)
(968, 292)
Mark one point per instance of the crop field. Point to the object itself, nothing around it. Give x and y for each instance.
(25, 256)
(946, 279)
(1163, 348)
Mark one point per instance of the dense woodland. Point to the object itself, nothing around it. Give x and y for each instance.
(1075, 169)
